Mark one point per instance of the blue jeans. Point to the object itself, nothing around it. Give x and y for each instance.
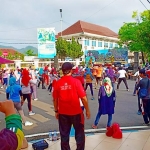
(5, 81)
(98, 118)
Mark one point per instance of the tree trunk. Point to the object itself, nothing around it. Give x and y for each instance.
(56, 62)
(136, 61)
(143, 60)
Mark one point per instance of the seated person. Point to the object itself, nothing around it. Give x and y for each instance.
(12, 137)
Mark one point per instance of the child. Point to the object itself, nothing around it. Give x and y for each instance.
(106, 99)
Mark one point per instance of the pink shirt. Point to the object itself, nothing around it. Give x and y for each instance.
(5, 75)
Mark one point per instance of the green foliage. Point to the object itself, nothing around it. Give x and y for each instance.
(61, 47)
(10, 56)
(136, 35)
(70, 49)
(16, 55)
(75, 49)
(30, 53)
(22, 57)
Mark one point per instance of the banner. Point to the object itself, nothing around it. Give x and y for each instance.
(46, 42)
(107, 55)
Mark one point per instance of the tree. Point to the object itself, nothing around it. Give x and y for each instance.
(74, 49)
(22, 57)
(30, 52)
(136, 35)
(10, 56)
(70, 49)
(1, 53)
(61, 47)
(16, 55)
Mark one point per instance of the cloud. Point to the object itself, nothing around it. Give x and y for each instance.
(20, 19)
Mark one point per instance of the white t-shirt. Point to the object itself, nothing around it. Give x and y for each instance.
(122, 73)
(137, 75)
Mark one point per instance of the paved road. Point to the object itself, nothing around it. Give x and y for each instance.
(44, 120)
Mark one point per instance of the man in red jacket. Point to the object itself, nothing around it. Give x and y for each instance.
(66, 94)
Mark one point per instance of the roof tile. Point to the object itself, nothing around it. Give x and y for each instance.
(81, 26)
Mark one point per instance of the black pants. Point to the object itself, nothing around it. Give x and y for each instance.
(125, 82)
(91, 87)
(41, 80)
(146, 106)
(50, 87)
(28, 97)
(139, 105)
(65, 123)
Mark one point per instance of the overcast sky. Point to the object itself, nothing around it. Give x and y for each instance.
(19, 19)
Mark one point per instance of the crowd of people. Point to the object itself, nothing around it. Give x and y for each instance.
(68, 89)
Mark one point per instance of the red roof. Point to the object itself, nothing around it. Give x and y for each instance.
(81, 26)
(9, 50)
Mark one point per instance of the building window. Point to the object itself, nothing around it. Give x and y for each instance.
(86, 42)
(110, 45)
(99, 44)
(93, 43)
(105, 44)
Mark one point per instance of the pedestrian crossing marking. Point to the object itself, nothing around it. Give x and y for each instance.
(29, 127)
(44, 106)
(40, 118)
(52, 113)
(29, 119)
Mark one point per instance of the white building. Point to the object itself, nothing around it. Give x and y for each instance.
(92, 37)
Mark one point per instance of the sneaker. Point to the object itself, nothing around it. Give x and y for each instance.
(35, 99)
(28, 123)
(128, 90)
(49, 93)
(146, 124)
(139, 113)
(31, 113)
(1, 87)
(94, 126)
(134, 94)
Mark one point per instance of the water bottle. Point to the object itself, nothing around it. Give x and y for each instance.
(58, 135)
(50, 135)
(55, 136)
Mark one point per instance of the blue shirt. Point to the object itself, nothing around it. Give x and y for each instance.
(15, 97)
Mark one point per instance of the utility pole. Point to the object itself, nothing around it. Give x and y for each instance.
(136, 54)
(61, 21)
(56, 63)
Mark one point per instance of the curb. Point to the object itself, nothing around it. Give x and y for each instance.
(126, 129)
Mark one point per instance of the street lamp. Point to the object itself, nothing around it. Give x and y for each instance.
(61, 21)
(56, 57)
